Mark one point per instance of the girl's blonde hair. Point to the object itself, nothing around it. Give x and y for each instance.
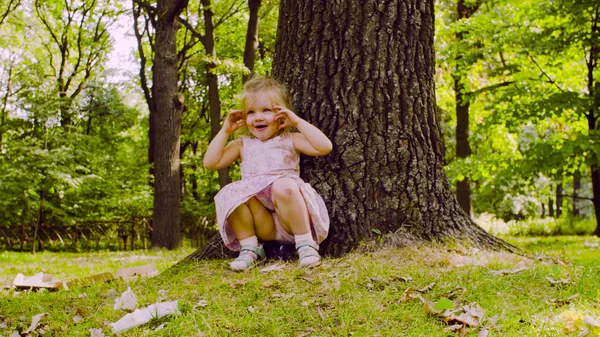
(278, 92)
(263, 85)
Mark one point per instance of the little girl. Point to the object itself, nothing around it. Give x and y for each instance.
(271, 202)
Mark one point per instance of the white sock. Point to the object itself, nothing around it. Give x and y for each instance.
(304, 238)
(251, 241)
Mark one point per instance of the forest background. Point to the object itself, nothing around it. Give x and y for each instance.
(515, 85)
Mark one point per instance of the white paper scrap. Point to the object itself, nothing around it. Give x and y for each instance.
(96, 332)
(142, 316)
(127, 301)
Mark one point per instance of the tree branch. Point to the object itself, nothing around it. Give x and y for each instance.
(491, 87)
(228, 14)
(12, 5)
(173, 13)
(552, 81)
(576, 197)
(138, 36)
(152, 10)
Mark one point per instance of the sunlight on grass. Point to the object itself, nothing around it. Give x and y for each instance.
(67, 266)
(361, 294)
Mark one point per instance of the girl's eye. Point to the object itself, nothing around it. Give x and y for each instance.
(267, 110)
(249, 112)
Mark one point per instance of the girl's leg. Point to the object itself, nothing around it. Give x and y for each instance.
(242, 222)
(293, 214)
(249, 221)
(264, 226)
(290, 206)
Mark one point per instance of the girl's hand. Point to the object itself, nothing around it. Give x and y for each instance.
(286, 116)
(233, 121)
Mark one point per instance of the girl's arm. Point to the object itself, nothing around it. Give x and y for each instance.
(310, 141)
(218, 155)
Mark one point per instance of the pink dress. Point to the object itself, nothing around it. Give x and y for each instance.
(263, 162)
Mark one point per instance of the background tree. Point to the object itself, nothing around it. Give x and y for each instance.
(76, 40)
(166, 231)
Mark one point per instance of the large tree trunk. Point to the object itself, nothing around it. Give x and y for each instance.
(166, 231)
(369, 85)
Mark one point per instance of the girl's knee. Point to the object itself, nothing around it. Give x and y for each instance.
(285, 188)
(265, 232)
(240, 211)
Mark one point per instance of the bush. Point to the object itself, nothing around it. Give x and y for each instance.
(536, 226)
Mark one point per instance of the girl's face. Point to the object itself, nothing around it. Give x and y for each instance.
(260, 117)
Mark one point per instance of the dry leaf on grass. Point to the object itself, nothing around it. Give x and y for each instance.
(426, 288)
(402, 278)
(201, 303)
(591, 244)
(35, 320)
(409, 294)
(238, 283)
(564, 281)
(456, 292)
(77, 319)
(271, 284)
(273, 267)
(561, 302)
(509, 271)
(471, 316)
(454, 328)
(574, 321)
(162, 295)
(251, 309)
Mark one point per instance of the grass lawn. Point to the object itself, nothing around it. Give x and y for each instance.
(361, 294)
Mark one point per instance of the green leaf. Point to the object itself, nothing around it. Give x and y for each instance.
(444, 304)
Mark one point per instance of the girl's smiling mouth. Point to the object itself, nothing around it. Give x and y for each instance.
(260, 127)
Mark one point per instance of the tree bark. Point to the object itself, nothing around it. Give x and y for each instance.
(576, 187)
(166, 231)
(592, 116)
(144, 83)
(462, 105)
(4, 108)
(251, 38)
(213, 82)
(368, 84)
(559, 200)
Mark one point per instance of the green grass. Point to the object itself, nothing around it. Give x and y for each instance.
(357, 295)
